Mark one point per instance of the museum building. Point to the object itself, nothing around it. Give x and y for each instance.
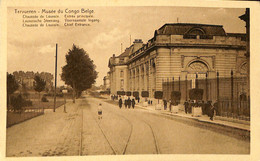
(178, 50)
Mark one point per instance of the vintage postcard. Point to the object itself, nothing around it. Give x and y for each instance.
(129, 81)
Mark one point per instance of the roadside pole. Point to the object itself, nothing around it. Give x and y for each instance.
(55, 78)
(65, 91)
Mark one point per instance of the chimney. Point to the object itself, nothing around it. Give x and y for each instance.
(138, 43)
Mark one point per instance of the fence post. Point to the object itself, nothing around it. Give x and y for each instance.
(172, 83)
(232, 96)
(186, 82)
(206, 87)
(238, 110)
(217, 86)
(163, 88)
(168, 89)
(179, 83)
(196, 81)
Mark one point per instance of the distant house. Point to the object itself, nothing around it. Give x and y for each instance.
(27, 78)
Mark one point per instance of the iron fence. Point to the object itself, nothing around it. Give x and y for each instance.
(229, 92)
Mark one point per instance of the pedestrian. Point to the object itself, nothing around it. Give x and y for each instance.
(133, 103)
(126, 103)
(211, 112)
(138, 98)
(170, 105)
(165, 104)
(202, 105)
(207, 108)
(129, 102)
(100, 111)
(216, 107)
(120, 102)
(186, 106)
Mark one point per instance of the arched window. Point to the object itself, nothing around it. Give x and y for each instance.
(196, 31)
(244, 69)
(198, 66)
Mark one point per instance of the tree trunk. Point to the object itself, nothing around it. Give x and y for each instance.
(74, 90)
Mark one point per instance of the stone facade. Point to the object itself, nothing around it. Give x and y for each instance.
(178, 50)
(106, 82)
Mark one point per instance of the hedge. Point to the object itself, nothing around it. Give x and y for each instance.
(136, 94)
(158, 94)
(196, 94)
(128, 93)
(145, 94)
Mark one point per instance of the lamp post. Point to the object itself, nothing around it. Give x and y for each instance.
(64, 91)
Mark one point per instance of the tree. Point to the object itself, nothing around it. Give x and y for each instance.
(79, 72)
(25, 90)
(175, 97)
(158, 95)
(196, 94)
(145, 94)
(39, 85)
(12, 86)
(128, 93)
(136, 94)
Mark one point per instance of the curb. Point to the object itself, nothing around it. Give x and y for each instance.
(200, 120)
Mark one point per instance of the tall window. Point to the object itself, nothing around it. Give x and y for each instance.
(122, 84)
(121, 74)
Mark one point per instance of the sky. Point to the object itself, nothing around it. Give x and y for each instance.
(33, 48)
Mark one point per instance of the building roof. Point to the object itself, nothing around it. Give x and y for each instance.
(185, 28)
(236, 34)
(125, 53)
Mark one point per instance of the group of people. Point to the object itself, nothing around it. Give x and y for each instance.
(207, 107)
(113, 97)
(128, 103)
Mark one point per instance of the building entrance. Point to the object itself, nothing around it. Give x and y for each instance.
(196, 68)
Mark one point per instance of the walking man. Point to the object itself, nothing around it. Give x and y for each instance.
(211, 113)
(120, 102)
(125, 103)
(186, 106)
(133, 103)
(165, 104)
(129, 102)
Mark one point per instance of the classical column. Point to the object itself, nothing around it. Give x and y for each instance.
(140, 78)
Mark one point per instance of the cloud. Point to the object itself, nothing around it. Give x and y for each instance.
(47, 49)
(105, 39)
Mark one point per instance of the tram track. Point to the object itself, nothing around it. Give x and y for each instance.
(151, 129)
(128, 138)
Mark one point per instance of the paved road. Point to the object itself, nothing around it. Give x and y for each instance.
(136, 131)
(120, 131)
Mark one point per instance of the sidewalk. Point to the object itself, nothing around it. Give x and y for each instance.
(51, 134)
(218, 120)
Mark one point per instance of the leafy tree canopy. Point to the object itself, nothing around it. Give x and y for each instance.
(79, 72)
(39, 84)
(12, 84)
